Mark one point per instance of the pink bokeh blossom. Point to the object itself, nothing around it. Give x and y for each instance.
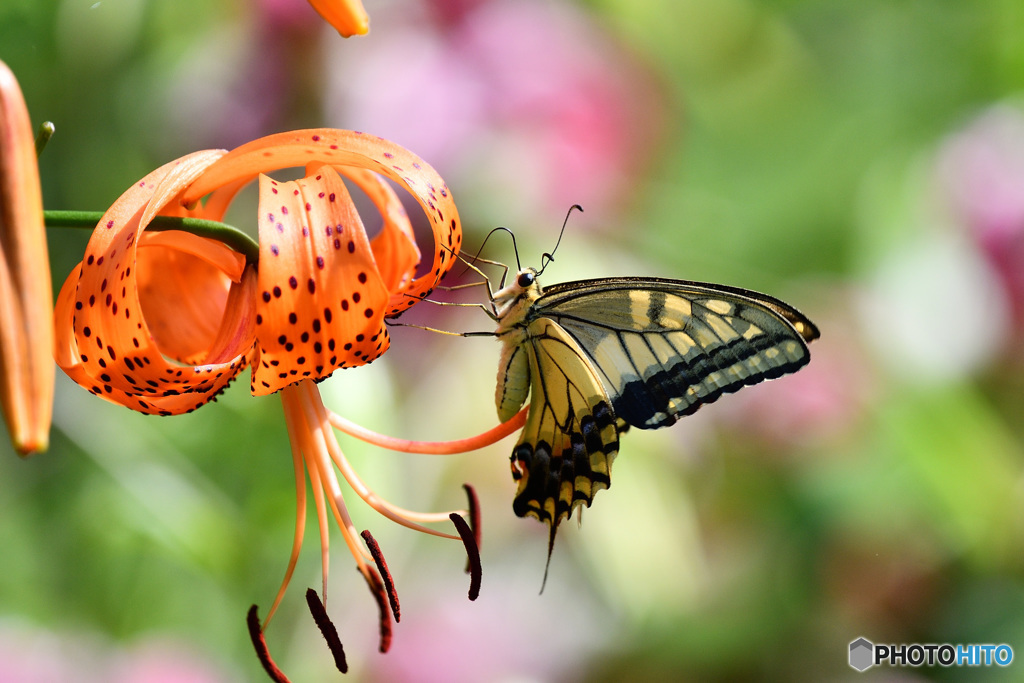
(820, 405)
(529, 101)
(33, 655)
(981, 171)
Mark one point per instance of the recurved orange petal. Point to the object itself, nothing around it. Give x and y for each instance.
(321, 301)
(394, 247)
(183, 283)
(343, 148)
(104, 340)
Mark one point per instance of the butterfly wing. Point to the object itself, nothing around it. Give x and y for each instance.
(570, 438)
(663, 348)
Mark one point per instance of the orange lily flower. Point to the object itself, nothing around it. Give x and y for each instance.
(347, 16)
(26, 327)
(161, 322)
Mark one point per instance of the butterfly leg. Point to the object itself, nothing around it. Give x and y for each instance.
(391, 323)
(455, 288)
(499, 264)
(468, 304)
(470, 265)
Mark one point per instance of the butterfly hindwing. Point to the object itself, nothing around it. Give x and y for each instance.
(663, 348)
(570, 438)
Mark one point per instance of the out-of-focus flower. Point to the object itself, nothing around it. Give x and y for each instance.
(536, 100)
(915, 294)
(347, 16)
(162, 322)
(31, 655)
(26, 327)
(259, 75)
(820, 405)
(443, 641)
(981, 170)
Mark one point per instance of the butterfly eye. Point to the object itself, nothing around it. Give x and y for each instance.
(525, 279)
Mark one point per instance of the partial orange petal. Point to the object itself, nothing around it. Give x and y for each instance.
(321, 301)
(219, 201)
(236, 331)
(394, 247)
(26, 325)
(353, 149)
(183, 296)
(114, 355)
(347, 16)
(238, 325)
(65, 347)
(217, 254)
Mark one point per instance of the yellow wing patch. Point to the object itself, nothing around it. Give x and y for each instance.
(664, 348)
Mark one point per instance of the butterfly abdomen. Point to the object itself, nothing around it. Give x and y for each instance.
(513, 380)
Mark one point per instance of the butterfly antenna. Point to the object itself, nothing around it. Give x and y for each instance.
(546, 257)
(515, 248)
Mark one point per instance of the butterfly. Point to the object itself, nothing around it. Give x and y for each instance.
(596, 357)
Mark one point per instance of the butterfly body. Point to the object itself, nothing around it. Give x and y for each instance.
(598, 356)
(512, 307)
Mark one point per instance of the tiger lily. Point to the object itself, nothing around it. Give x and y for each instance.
(26, 327)
(161, 322)
(347, 16)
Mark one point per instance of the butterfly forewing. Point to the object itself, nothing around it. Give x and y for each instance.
(663, 348)
(565, 452)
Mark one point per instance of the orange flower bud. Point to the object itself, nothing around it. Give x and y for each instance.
(26, 325)
(347, 16)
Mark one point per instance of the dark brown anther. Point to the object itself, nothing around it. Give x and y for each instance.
(326, 626)
(252, 619)
(377, 588)
(474, 520)
(472, 552)
(382, 567)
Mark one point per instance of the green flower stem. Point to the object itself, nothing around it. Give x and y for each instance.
(228, 234)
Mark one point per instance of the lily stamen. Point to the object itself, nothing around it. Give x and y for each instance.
(327, 629)
(376, 585)
(407, 518)
(318, 460)
(382, 567)
(472, 552)
(252, 620)
(491, 436)
(473, 513)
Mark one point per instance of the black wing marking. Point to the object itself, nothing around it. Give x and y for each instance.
(666, 347)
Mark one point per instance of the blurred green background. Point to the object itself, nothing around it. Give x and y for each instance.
(861, 160)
